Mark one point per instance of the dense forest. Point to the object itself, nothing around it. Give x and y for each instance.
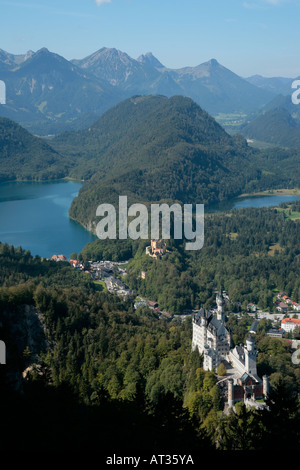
(252, 253)
(276, 126)
(27, 157)
(107, 376)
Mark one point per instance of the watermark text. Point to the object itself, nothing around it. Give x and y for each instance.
(2, 92)
(296, 94)
(185, 224)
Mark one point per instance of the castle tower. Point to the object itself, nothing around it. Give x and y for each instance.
(250, 356)
(230, 393)
(220, 307)
(266, 386)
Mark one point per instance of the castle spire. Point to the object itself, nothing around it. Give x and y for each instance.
(220, 307)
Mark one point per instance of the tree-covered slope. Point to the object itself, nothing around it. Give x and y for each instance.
(276, 126)
(155, 148)
(24, 156)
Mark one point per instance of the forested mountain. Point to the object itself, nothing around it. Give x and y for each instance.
(48, 94)
(158, 148)
(24, 156)
(276, 126)
(155, 148)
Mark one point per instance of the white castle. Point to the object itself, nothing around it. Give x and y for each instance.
(213, 341)
(210, 336)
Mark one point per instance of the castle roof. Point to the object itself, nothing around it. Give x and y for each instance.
(210, 352)
(217, 326)
(214, 325)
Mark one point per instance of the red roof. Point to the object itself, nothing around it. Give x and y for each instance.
(291, 320)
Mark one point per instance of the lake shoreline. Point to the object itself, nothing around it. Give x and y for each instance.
(35, 214)
(273, 192)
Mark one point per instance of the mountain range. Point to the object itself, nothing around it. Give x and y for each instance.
(276, 85)
(48, 94)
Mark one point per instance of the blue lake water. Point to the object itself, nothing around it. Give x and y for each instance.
(35, 216)
(251, 201)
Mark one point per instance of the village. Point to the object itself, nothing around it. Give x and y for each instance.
(111, 274)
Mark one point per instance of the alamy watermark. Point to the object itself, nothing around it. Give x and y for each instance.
(2, 353)
(184, 223)
(296, 94)
(2, 92)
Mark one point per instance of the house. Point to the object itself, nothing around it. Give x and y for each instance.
(58, 258)
(296, 306)
(140, 303)
(280, 294)
(152, 304)
(252, 308)
(275, 333)
(289, 324)
(282, 307)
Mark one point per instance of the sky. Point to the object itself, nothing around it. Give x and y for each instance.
(248, 37)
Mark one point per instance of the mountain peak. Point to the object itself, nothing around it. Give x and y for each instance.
(150, 59)
(43, 50)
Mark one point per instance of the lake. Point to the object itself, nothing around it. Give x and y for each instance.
(35, 216)
(251, 201)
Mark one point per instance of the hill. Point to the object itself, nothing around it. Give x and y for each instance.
(153, 149)
(24, 156)
(276, 126)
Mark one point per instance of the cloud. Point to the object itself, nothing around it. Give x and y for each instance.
(275, 2)
(100, 2)
(262, 4)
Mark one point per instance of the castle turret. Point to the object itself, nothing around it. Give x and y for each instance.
(266, 386)
(250, 356)
(220, 307)
(230, 393)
